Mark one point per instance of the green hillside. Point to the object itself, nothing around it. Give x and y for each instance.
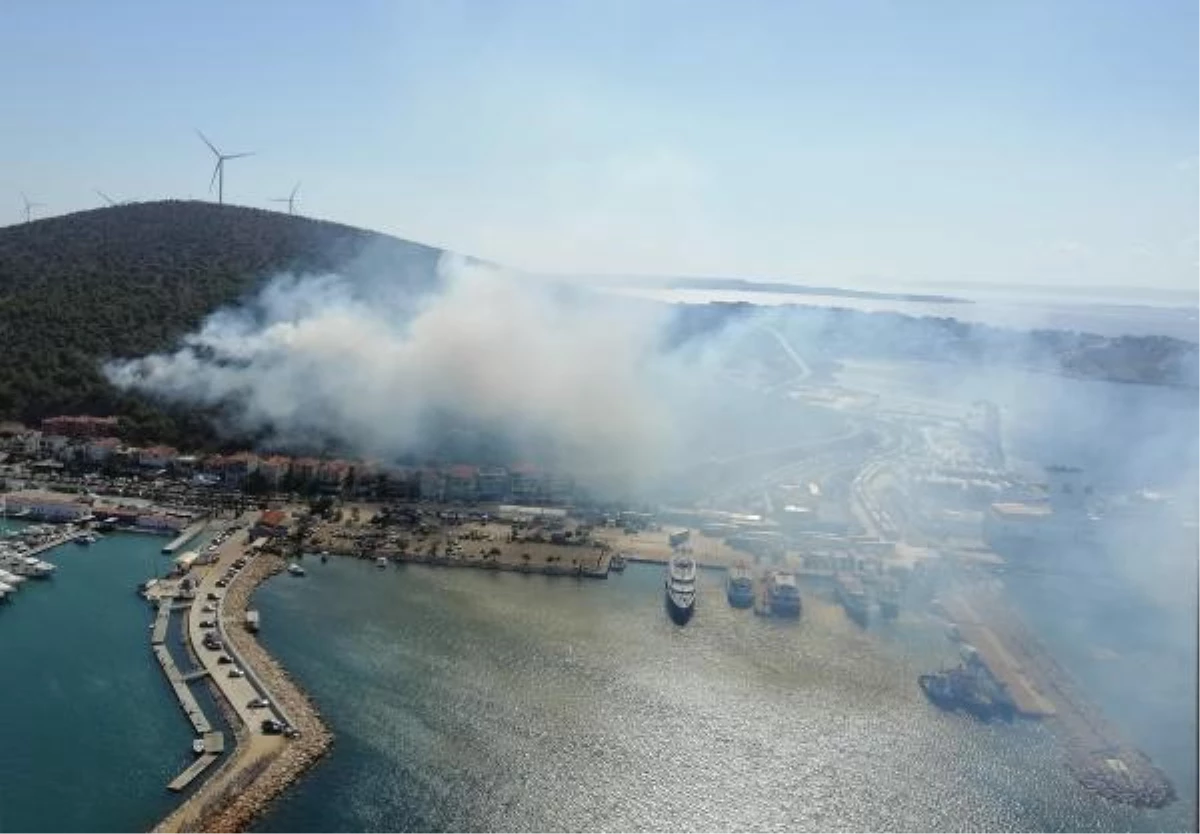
(128, 280)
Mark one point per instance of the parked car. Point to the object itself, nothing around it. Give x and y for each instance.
(235, 672)
(258, 703)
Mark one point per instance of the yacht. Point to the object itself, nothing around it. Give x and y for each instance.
(681, 588)
(295, 570)
(9, 578)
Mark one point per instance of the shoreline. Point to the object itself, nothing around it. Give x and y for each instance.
(245, 785)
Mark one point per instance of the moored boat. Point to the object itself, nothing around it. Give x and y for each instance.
(681, 588)
(783, 594)
(739, 586)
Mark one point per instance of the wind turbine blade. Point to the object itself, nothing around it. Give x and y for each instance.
(106, 198)
(295, 189)
(237, 155)
(216, 170)
(204, 139)
(25, 199)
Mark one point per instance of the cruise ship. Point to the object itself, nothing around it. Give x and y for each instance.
(681, 588)
(739, 586)
(783, 594)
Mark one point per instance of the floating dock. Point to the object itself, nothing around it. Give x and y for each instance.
(188, 776)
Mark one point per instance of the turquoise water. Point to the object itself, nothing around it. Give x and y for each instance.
(89, 732)
(465, 700)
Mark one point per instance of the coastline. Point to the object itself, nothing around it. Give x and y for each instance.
(242, 788)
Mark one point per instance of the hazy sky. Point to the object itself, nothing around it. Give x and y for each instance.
(853, 142)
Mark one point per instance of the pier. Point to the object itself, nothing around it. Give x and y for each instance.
(183, 538)
(187, 701)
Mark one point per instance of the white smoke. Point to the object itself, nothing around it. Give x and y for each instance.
(378, 372)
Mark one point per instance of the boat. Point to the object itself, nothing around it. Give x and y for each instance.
(965, 688)
(783, 594)
(324, 556)
(617, 562)
(852, 596)
(739, 586)
(381, 562)
(295, 570)
(85, 539)
(680, 586)
(198, 746)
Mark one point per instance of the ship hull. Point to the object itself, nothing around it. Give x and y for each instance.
(679, 610)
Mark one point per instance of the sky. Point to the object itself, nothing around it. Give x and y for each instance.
(856, 142)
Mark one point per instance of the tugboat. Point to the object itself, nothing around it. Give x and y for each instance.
(739, 586)
(681, 588)
(783, 594)
(966, 688)
(852, 596)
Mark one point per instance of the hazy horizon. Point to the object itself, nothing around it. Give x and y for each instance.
(863, 144)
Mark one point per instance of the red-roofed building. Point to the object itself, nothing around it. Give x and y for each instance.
(157, 457)
(98, 451)
(80, 426)
(273, 469)
(271, 524)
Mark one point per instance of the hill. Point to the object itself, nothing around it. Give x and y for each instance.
(127, 280)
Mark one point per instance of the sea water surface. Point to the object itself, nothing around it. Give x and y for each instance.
(89, 732)
(470, 700)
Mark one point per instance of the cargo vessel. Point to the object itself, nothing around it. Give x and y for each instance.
(783, 594)
(852, 596)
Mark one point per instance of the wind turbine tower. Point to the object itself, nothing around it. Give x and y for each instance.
(289, 199)
(219, 170)
(29, 206)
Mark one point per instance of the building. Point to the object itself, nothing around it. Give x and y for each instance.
(157, 457)
(430, 484)
(492, 483)
(47, 506)
(527, 484)
(101, 449)
(271, 524)
(273, 469)
(461, 484)
(80, 426)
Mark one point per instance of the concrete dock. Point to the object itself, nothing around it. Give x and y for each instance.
(188, 776)
(183, 538)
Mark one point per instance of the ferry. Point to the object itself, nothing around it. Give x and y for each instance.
(739, 586)
(681, 588)
(295, 570)
(783, 594)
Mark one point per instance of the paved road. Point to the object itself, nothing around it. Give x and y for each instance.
(238, 691)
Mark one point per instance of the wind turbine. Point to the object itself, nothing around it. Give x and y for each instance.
(108, 199)
(289, 199)
(219, 171)
(29, 206)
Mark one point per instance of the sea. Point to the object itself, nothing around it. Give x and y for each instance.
(90, 734)
(467, 700)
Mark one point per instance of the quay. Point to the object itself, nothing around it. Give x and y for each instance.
(188, 776)
(187, 701)
(1099, 756)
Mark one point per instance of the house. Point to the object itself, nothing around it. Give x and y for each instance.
(47, 506)
(273, 469)
(157, 457)
(232, 469)
(271, 524)
(101, 449)
(305, 469)
(54, 445)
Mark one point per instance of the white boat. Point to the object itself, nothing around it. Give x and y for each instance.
(10, 578)
(681, 588)
(85, 539)
(295, 570)
(381, 562)
(198, 746)
(5, 588)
